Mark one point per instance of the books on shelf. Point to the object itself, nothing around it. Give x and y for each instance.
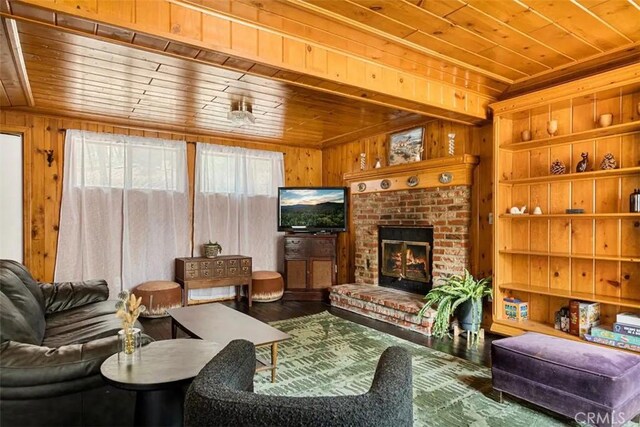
(621, 328)
(583, 316)
(602, 332)
(612, 343)
(630, 319)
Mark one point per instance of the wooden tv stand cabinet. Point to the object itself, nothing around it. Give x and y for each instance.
(310, 266)
(203, 273)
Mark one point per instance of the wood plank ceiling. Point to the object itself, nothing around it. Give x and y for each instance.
(75, 66)
(523, 42)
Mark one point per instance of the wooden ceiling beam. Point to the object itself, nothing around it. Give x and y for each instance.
(13, 72)
(189, 23)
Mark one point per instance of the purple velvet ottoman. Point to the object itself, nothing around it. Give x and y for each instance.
(588, 383)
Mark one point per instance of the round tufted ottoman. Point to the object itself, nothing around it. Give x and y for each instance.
(267, 286)
(158, 296)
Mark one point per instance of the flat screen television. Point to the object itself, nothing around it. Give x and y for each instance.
(312, 209)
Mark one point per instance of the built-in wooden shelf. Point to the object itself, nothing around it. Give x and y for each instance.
(562, 293)
(624, 215)
(505, 326)
(573, 176)
(617, 130)
(573, 256)
(530, 325)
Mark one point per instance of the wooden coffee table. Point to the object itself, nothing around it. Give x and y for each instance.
(221, 324)
(160, 377)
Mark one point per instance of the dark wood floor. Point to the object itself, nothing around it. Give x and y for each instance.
(160, 329)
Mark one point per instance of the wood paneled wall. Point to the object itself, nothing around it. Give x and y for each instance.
(343, 158)
(43, 184)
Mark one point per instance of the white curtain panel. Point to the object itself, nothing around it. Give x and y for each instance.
(125, 209)
(236, 194)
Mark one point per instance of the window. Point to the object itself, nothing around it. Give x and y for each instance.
(110, 162)
(231, 173)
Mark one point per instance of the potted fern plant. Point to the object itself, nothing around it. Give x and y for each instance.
(457, 292)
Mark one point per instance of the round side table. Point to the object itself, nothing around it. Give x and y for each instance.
(160, 377)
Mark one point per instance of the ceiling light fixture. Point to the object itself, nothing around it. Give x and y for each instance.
(241, 113)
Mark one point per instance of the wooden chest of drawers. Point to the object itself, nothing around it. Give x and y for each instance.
(227, 270)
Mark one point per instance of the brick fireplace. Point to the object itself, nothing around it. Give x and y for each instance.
(434, 220)
(446, 209)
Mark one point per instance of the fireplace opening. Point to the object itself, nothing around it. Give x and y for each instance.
(404, 258)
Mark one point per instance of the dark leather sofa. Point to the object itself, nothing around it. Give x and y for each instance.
(222, 395)
(54, 339)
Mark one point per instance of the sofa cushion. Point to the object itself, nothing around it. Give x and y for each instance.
(24, 302)
(83, 331)
(13, 326)
(591, 372)
(80, 314)
(26, 278)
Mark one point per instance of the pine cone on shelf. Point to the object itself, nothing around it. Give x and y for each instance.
(609, 162)
(558, 167)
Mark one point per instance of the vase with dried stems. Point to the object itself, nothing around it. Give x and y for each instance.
(129, 308)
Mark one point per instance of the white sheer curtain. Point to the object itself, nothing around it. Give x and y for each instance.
(125, 211)
(236, 193)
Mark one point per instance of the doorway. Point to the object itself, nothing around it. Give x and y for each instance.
(11, 197)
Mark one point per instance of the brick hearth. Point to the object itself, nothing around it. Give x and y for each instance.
(389, 305)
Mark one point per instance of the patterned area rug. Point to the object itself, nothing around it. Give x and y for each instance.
(328, 355)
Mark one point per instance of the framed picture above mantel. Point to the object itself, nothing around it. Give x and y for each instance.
(406, 146)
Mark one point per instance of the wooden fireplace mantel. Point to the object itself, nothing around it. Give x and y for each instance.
(427, 173)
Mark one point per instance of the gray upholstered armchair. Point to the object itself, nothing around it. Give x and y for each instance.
(54, 339)
(222, 395)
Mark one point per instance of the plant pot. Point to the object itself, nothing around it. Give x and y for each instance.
(211, 250)
(470, 315)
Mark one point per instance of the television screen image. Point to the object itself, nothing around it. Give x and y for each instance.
(312, 209)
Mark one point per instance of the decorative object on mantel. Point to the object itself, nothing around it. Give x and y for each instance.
(385, 184)
(412, 181)
(378, 164)
(517, 211)
(445, 177)
(452, 143)
(605, 120)
(212, 250)
(537, 210)
(363, 161)
(525, 135)
(584, 163)
(362, 186)
(405, 146)
(464, 293)
(49, 154)
(609, 162)
(634, 201)
(574, 211)
(130, 338)
(552, 127)
(558, 167)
